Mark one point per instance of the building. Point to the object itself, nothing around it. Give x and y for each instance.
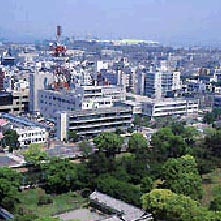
(171, 107)
(217, 101)
(93, 121)
(158, 84)
(30, 135)
(15, 102)
(28, 131)
(38, 81)
(120, 210)
(83, 97)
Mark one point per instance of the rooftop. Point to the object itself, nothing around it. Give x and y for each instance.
(129, 212)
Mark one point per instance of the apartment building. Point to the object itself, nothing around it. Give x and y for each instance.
(158, 84)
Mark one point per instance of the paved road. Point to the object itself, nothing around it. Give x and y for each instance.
(81, 214)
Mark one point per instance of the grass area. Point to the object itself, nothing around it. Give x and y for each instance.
(60, 203)
(210, 181)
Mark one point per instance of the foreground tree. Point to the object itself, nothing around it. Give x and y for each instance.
(119, 189)
(60, 176)
(181, 176)
(9, 185)
(166, 205)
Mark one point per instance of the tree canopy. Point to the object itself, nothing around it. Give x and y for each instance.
(11, 139)
(35, 154)
(9, 185)
(137, 142)
(110, 143)
(166, 205)
(181, 176)
(60, 176)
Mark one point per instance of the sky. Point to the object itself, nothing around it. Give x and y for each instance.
(161, 20)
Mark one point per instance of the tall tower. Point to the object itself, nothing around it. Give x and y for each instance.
(61, 74)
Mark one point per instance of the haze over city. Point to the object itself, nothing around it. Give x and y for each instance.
(167, 21)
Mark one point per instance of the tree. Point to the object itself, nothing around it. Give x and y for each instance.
(166, 205)
(73, 136)
(137, 142)
(60, 176)
(9, 185)
(35, 154)
(181, 176)
(146, 184)
(166, 145)
(98, 164)
(213, 144)
(11, 139)
(119, 189)
(215, 204)
(110, 143)
(85, 147)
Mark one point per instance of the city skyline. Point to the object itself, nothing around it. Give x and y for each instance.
(167, 21)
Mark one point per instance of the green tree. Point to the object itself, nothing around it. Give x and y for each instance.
(60, 176)
(119, 189)
(209, 118)
(166, 145)
(181, 176)
(11, 139)
(73, 136)
(213, 144)
(9, 185)
(98, 164)
(166, 205)
(35, 154)
(215, 204)
(110, 143)
(85, 147)
(137, 142)
(146, 184)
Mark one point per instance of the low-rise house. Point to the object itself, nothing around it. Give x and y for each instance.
(119, 209)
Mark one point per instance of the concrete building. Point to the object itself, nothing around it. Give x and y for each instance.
(38, 81)
(28, 131)
(171, 107)
(158, 84)
(93, 121)
(31, 135)
(217, 101)
(83, 97)
(14, 102)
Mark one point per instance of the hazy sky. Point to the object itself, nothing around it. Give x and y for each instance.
(164, 20)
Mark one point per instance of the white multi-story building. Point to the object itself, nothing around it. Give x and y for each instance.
(171, 107)
(83, 97)
(31, 135)
(158, 83)
(38, 81)
(93, 121)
